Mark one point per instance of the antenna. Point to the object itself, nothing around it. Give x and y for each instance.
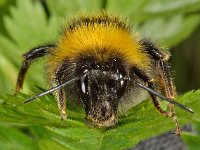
(163, 97)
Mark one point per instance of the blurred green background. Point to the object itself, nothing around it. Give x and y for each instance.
(173, 24)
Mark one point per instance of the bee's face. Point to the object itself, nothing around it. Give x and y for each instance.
(101, 88)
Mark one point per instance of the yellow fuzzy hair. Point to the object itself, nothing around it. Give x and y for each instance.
(92, 37)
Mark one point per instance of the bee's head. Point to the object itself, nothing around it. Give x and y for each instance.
(101, 89)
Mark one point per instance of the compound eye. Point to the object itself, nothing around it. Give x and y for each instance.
(121, 88)
(84, 84)
(111, 83)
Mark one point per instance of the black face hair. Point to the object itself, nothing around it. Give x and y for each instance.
(101, 89)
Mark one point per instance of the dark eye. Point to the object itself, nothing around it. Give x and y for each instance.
(121, 88)
(84, 84)
(111, 83)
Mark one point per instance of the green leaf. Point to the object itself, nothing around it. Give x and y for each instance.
(171, 6)
(50, 145)
(4, 9)
(9, 58)
(10, 50)
(14, 111)
(192, 139)
(67, 9)
(28, 27)
(11, 138)
(8, 77)
(141, 122)
(169, 31)
(3, 2)
(168, 22)
(126, 8)
(146, 9)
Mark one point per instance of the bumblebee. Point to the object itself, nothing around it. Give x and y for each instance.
(100, 62)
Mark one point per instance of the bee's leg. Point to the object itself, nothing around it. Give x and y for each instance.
(28, 58)
(169, 90)
(161, 59)
(58, 78)
(61, 100)
(151, 84)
